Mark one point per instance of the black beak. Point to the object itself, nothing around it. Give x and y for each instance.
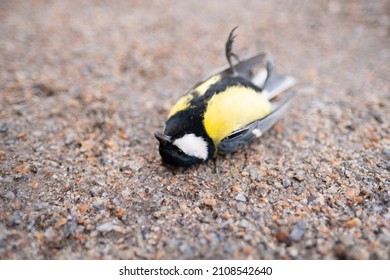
(161, 137)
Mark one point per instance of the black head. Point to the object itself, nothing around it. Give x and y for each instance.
(172, 154)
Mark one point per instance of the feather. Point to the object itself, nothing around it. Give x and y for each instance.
(254, 130)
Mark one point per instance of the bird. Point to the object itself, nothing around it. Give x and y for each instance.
(226, 111)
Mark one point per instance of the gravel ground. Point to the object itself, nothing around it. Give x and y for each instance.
(84, 85)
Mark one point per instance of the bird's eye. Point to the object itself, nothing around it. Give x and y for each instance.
(180, 152)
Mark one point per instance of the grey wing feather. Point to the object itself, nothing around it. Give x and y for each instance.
(254, 130)
(276, 83)
(244, 67)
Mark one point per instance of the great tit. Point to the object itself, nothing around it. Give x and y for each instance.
(224, 112)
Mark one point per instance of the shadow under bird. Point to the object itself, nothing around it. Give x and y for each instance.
(224, 112)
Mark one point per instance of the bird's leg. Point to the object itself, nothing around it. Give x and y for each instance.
(270, 65)
(229, 48)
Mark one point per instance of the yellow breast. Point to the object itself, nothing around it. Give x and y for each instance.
(232, 109)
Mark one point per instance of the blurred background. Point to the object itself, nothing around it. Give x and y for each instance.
(85, 84)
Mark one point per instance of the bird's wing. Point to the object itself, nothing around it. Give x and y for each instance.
(244, 67)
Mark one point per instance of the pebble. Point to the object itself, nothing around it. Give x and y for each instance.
(298, 231)
(116, 201)
(245, 223)
(286, 183)
(158, 214)
(355, 222)
(241, 207)
(282, 236)
(350, 193)
(69, 138)
(299, 176)
(135, 165)
(3, 128)
(99, 203)
(241, 197)
(255, 175)
(10, 195)
(183, 208)
(105, 227)
(210, 202)
(292, 251)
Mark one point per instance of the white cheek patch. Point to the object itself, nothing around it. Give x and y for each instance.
(192, 145)
(257, 132)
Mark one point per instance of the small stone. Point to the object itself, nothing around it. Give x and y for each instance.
(286, 183)
(226, 216)
(10, 195)
(235, 188)
(87, 145)
(69, 138)
(135, 165)
(298, 231)
(278, 185)
(358, 199)
(241, 207)
(158, 214)
(376, 207)
(292, 251)
(105, 227)
(3, 128)
(282, 236)
(99, 203)
(183, 208)
(241, 197)
(355, 222)
(119, 212)
(33, 168)
(210, 202)
(244, 223)
(255, 175)
(299, 176)
(116, 201)
(350, 193)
